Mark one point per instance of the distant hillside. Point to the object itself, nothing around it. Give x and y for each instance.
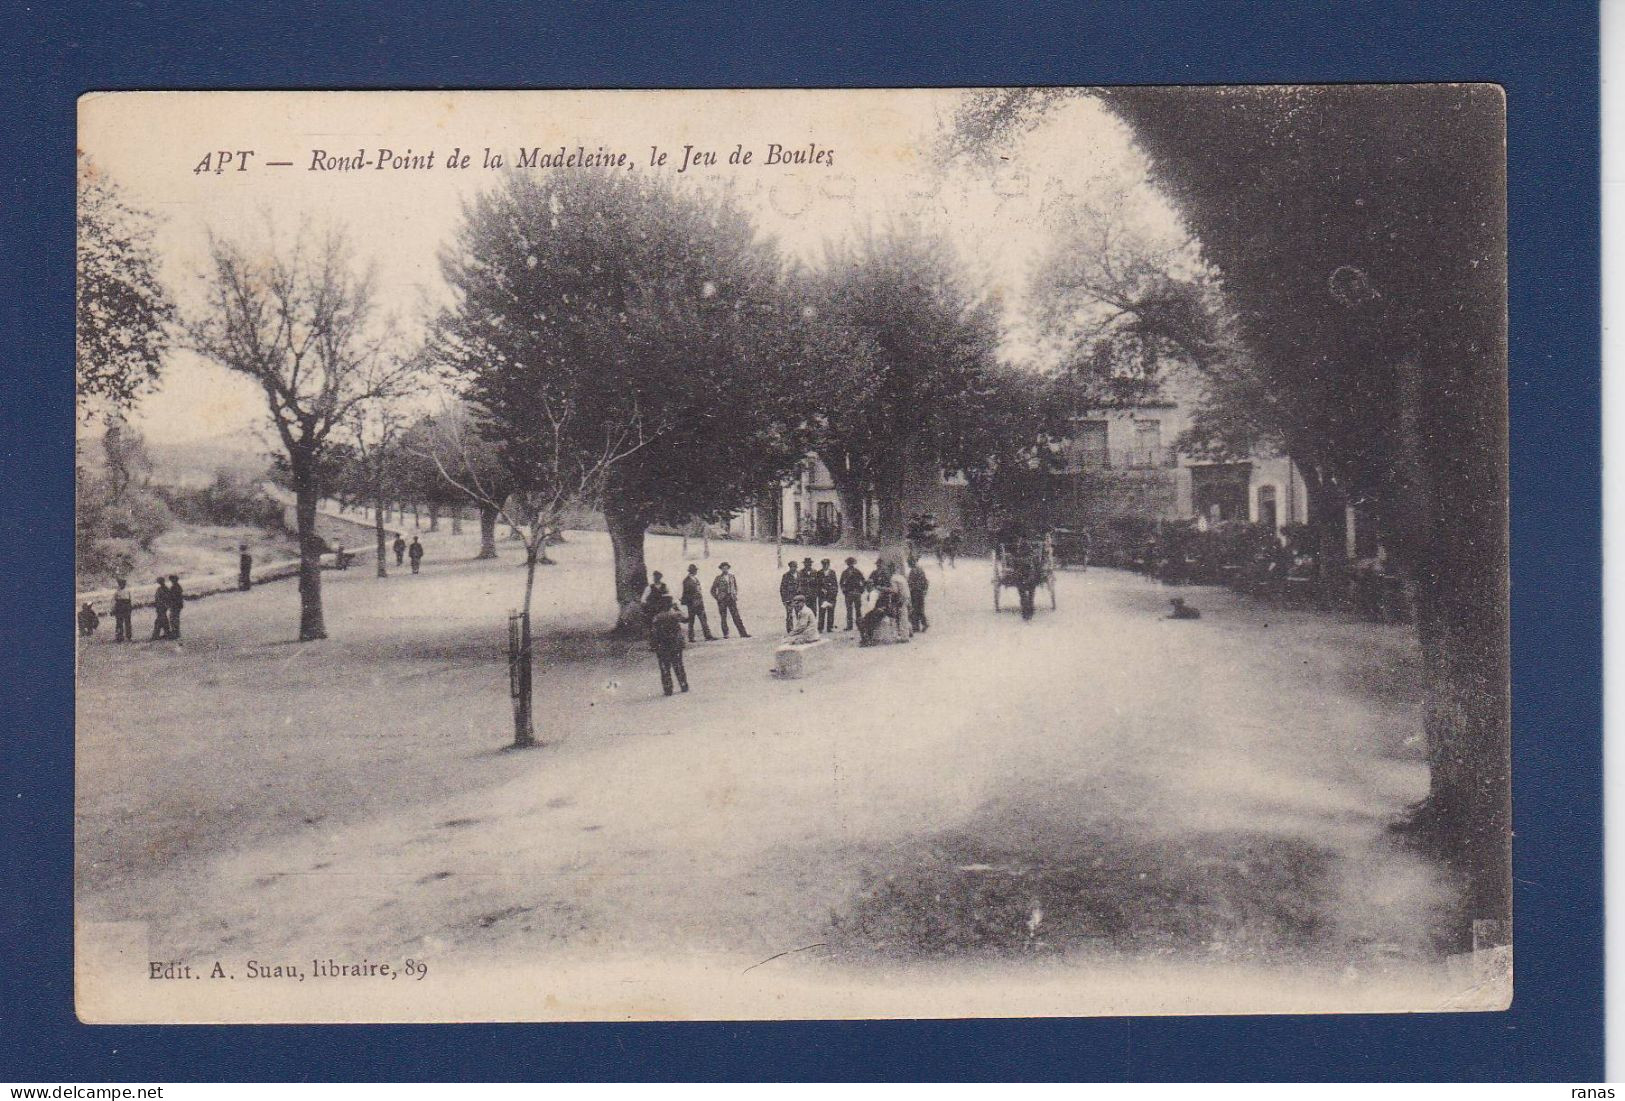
(195, 463)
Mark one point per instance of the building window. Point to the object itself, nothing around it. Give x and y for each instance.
(1147, 443)
(1089, 447)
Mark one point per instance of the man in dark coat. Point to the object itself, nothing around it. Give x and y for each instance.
(666, 640)
(123, 610)
(789, 589)
(917, 585)
(725, 591)
(415, 553)
(852, 584)
(245, 568)
(694, 604)
(829, 594)
(160, 611)
(809, 586)
(177, 599)
(400, 548)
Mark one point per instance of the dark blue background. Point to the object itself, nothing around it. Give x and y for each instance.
(1546, 56)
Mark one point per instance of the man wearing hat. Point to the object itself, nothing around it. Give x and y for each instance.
(725, 591)
(810, 586)
(694, 604)
(177, 600)
(666, 640)
(829, 594)
(789, 589)
(852, 584)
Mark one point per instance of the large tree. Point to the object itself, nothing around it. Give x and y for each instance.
(625, 299)
(904, 353)
(122, 311)
(1360, 233)
(299, 318)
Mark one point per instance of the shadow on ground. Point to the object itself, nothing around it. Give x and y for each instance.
(1232, 893)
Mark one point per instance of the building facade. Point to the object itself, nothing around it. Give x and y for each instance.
(1121, 462)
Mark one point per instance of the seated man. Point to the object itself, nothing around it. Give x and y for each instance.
(884, 609)
(803, 624)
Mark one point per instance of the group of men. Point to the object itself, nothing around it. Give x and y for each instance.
(666, 618)
(167, 603)
(810, 598)
(402, 549)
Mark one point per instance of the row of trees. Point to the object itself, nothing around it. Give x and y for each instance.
(616, 341)
(619, 342)
(1350, 309)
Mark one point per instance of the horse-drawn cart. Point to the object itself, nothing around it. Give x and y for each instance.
(1024, 564)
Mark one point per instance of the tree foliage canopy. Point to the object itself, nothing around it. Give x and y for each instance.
(598, 309)
(122, 311)
(903, 355)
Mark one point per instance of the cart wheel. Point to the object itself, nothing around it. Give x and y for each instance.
(1052, 592)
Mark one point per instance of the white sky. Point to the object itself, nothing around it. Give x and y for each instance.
(881, 141)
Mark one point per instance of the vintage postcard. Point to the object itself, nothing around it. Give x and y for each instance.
(672, 555)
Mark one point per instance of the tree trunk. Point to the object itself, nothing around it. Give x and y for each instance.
(1450, 534)
(488, 532)
(893, 524)
(378, 532)
(417, 521)
(434, 516)
(311, 626)
(626, 534)
(851, 498)
(456, 520)
(524, 734)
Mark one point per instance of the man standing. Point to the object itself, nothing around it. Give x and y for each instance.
(725, 591)
(666, 640)
(415, 553)
(917, 586)
(852, 584)
(245, 568)
(399, 547)
(123, 609)
(177, 598)
(160, 611)
(829, 595)
(789, 589)
(809, 587)
(694, 604)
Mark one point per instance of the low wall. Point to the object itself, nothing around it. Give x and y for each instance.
(195, 587)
